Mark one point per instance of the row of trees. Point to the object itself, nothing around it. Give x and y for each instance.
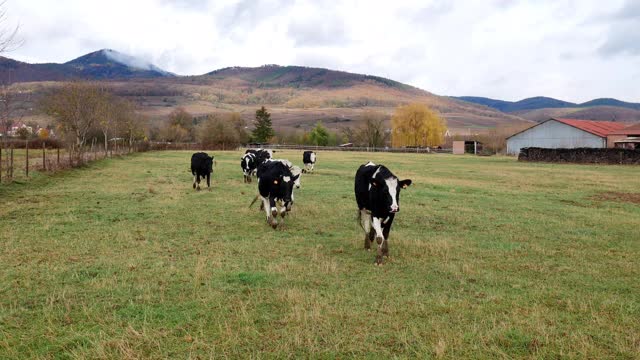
(413, 125)
(86, 111)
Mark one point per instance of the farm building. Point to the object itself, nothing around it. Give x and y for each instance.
(565, 133)
(462, 147)
(628, 138)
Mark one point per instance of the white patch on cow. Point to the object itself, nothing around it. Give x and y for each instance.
(377, 226)
(370, 164)
(286, 179)
(295, 170)
(265, 205)
(392, 185)
(365, 221)
(375, 173)
(313, 158)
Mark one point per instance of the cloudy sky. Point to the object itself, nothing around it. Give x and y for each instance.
(574, 50)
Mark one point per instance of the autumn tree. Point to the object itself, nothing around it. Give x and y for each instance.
(43, 134)
(319, 135)
(179, 126)
(263, 131)
(417, 125)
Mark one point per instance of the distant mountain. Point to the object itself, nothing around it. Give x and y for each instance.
(540, 102)
(611, 102)
(303, 77)
(297, 96)
(110, 64)
(99, 65)
(605, 113)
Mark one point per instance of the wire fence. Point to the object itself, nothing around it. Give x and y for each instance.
(19, 162)
(424, 150)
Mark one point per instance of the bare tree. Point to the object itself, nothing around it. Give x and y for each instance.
(372, 131)
(77, 107)
(7, 109)
(105, 118)
(130, 124)
(8, 36)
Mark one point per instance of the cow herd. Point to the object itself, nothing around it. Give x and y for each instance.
(377, 190)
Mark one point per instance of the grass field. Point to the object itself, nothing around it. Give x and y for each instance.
(490, 258)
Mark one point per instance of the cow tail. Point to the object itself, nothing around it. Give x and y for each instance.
(254, 200)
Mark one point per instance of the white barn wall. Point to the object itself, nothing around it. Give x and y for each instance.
(554, 134)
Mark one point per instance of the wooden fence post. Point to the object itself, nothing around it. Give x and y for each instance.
(26, 168)
(44, 157)
(58, 162)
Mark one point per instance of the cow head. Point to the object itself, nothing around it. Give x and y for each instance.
(285, 185)
(296, 171)
(246, 164)
(209, 164)
(385, 188)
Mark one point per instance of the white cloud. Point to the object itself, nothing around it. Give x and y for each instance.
(508, 49)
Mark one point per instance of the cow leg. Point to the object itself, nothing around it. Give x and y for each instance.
(194, 181)
(377, 226)
(208, 181)
(386, 228)
(265, 206)
(274, 212)
(365, 223)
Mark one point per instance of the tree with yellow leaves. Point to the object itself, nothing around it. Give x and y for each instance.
(417, 125)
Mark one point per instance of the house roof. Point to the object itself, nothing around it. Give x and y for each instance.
(629, 130)
(599, 128)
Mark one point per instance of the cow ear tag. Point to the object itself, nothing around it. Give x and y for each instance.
(275, 182)
(374, 183)
(405, 186)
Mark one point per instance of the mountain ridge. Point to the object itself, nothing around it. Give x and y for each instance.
(104, 64)
(542, 102)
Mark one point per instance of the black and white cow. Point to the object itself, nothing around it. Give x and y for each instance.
(251, 160)
(275, 187)
(295, 170)
(378, 197)
(201, 166)
(309, 160)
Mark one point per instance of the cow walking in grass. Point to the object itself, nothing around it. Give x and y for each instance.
(250, 161)
(275, 187)
(201, 167)
(377, 192)
(309, 161)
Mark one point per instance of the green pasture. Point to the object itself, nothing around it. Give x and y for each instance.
(490, 258)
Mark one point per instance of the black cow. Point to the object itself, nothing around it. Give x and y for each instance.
(251, 160)
(275, 185)
(201, 166)
(378, 197)
(309, 160)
